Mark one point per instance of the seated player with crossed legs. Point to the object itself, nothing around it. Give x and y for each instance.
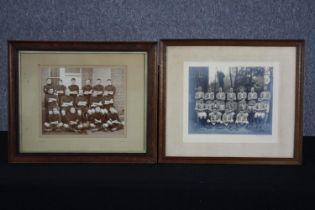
(114, 121)
(53, 123)
(72, 120)
(96, 119)
(106, 120)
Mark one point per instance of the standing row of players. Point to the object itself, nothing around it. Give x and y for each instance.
(230, 107)
(72, 109)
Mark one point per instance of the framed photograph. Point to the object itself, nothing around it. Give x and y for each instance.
(231, 101)
(82, 102)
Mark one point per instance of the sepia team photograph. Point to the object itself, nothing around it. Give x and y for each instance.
(83, 100)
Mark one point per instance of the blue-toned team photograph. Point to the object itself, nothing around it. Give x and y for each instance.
(230, 100)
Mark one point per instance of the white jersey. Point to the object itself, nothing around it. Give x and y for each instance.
(199, 95)
(209, 96)
(231, 96)
(252, 96)
(220, 96)
(241, 96)
(265, 95)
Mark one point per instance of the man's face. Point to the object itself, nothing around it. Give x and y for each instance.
(252, 89)
(97, 109)
(73, 82)
(51, 91)
(98, 81)
(231, 89)
(48, 81)
(72, 110)
(109, 82)
(94, 93)
(87, 82)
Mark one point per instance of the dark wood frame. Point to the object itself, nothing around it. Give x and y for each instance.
(297, 158)
(14, 154)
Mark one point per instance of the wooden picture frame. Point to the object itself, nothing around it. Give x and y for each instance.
(145, 57)
(176, 144)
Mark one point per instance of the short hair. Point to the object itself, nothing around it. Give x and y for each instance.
(60, 80)
(73, 79)
(98, 79)
(88, 80)
(109, 79)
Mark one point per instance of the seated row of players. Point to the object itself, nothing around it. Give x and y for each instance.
(88, 109)
(229, 107)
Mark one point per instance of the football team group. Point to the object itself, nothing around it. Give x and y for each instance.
(78, 110)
